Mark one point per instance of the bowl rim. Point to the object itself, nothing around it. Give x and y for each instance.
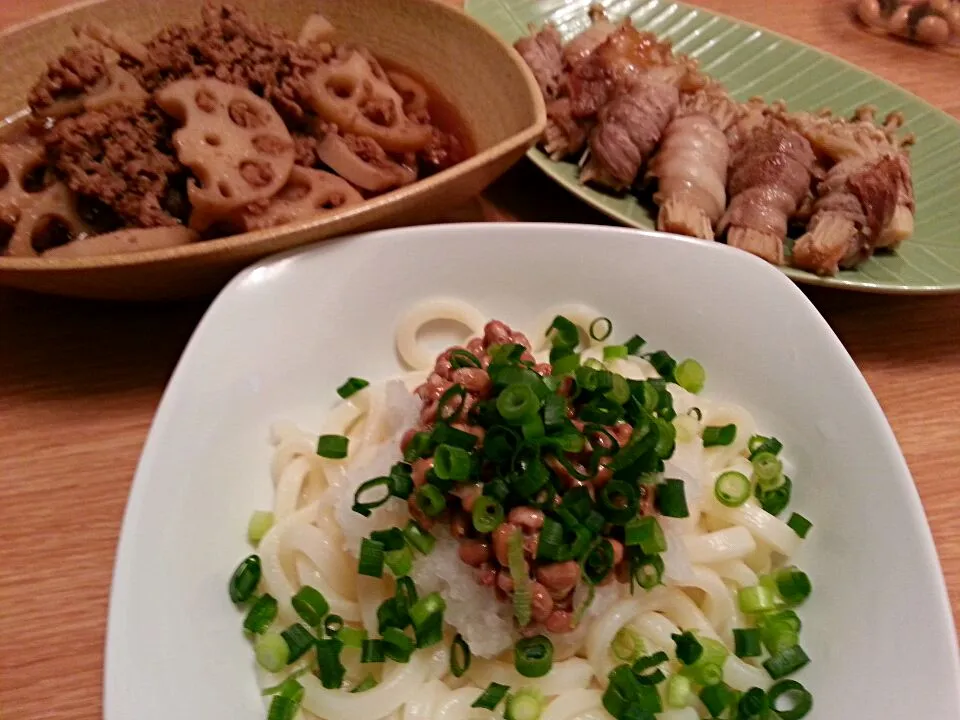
(250, 240)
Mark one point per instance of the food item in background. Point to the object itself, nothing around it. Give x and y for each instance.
(770, 174)
(637, 116)
(234, 143)
(220, 127)
(558, 528)
(931, 22)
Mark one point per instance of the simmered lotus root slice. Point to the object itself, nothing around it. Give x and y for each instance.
(234, 142)
(117, 86)
(124, 241)
(307, 193)
(48, 220)
(350, 94)
(33, 214)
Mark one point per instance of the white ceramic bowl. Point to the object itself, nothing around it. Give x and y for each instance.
(286, 331)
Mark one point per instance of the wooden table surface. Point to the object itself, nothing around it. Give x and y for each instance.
(79, 383)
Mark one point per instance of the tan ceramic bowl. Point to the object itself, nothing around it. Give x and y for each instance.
(481, 76)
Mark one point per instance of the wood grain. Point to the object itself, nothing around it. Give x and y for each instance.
(79, 382)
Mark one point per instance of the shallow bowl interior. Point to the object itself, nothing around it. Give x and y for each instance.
(287, 331)
(481, 76)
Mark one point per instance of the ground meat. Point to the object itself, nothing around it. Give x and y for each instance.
(121, 157)
(443, 151)
(74, 72)
(232, 47)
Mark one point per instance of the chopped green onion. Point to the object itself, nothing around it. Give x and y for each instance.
(427, 618)
(487, 514)
(619, 391)
(618, 501)
(391, 538)
(331, 668)
(245, 579)
(399, 561)
(401, 480)
(451, 399)
(351, 386)
(332, 625)
(262, 613)
(799, 700)
(332, 446)
(460, 358)
(565, 333)
(271, 652)
(689, 649)
(491, 697)
(650, 662)
(451, 463)
(679, 691)
(759, 443)
(368, 683)
(732, 488)
(663, 363)
(598, 562)
(419, 539)
(753, 705)
(746, 642)
(719, 435)
(776, 500)
(286, 702)
(371, 558)
(707, 668)
(785, 662)
(717, 698)
(767, 469)
(601, 328)
(404, 598)
(418, 446)
(645, 533)
(793, 585)
(260, 523)
(526, 704)
(289, 688)
(363, 503)
(351, 637)
(372, 651)
(459, 656)
(522, 600)
(565, 365)
(533, 656)
(799, 524)
(646, 571)
(756, 599)
(627, 644)
(627, 698)
(298, 640)
(397, 645)
(615, 352)
(533, 428)
(311, 605)
(634, 344)
(517, 402)
(672, 498)
(390, 614)
(430, 499)
(690, 375)
(447, 435)
(532, 480)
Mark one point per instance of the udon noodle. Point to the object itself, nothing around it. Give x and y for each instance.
(713, 554)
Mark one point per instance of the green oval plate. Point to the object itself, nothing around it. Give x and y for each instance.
(750, 61)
